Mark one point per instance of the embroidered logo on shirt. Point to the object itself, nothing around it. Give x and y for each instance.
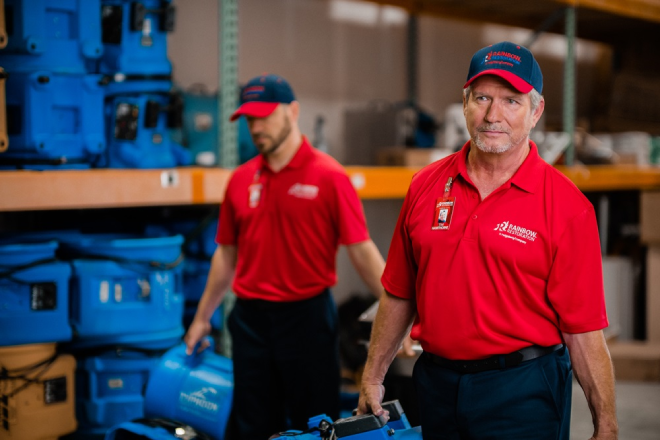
(301, 191)
(517, 233)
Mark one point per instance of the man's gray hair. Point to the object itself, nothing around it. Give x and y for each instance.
(534, 96)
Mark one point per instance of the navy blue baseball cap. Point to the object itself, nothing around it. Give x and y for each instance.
(261, 96)
(510, 61)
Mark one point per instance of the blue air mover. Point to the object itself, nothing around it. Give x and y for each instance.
(34, 294)
(362, 427)
(125, 289)
(110, 387)
(54, 119)
(59, 36)
(135, 37)
(196, 390)
(154, 429)
(139, 131)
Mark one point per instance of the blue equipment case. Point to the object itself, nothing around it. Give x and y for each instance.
(362, 427)
(110, 387)
(139, 131)
(34, 300)
(60, 36)
(125, 290)
(196, 390)
(135, 37)
(54, 119)
(154, 429)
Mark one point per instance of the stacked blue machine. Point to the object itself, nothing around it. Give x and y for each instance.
(362, 427)
(126, 310)
(140, 111)
(126, 290)
(34, 304)
(89, 85)
(54, 97)
(198, 248)
(194, 391)
(110, 387)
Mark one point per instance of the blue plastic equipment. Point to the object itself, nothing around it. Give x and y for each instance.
(125, 290)
(34, 294)
(196, 390)
(60, 36)
(135, 37)
(362, 427)
(110, 387)
(139, 131)
(54, 119)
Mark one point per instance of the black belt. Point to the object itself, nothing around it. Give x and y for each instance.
(494, 362)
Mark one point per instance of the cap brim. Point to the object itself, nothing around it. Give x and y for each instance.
(254, 109)
(519, 84)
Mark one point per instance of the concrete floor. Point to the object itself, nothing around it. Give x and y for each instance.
(638, 411)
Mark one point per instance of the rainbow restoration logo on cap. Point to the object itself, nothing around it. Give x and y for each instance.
(510, 61)
(261, 96)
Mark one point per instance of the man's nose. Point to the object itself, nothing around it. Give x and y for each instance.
(494, 112)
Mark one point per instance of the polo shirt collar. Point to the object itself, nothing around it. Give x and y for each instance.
(302, 156)
(527, 176)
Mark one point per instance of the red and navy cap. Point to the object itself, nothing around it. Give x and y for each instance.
(261, 95)
(510, 61)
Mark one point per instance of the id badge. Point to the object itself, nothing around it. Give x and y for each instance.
(254, 195)
(444, 210)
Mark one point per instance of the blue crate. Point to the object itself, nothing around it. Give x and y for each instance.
(125, 290)
(196, 390)
(139, 132)
(34, 294)
(54, 119)
(135, 37)
(60, 36)
(110, 387)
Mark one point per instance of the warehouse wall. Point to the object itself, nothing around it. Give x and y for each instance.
(339, 54)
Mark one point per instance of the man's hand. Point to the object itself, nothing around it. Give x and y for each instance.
(197, 332)
(371, 397)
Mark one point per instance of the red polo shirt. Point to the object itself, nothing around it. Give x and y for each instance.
(514, 269)
(287, 238)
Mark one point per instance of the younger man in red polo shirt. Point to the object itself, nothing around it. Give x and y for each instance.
(284, 215)
(496, 257)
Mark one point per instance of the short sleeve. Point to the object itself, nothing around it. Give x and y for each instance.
(352, 225)
(400, 273)
(575, 285)
(227, 228)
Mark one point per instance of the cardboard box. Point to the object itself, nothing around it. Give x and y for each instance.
(653, 294)
(410, 157)
(649, 221)
(636, 361)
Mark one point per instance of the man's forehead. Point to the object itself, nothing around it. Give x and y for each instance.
(487, 81)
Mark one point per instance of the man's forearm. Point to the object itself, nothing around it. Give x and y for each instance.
(593, 369)
(392, 324)
(368, 263)
(218, 282)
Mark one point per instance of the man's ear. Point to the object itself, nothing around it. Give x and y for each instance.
(538, 112)
(294, 108)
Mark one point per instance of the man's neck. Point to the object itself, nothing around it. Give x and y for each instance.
(489, 171)
(285, 153)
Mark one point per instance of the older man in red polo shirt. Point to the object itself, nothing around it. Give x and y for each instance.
(284, 215)
(496, 259)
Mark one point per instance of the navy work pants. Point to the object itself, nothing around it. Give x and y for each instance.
(530, 401)
(286, 365)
